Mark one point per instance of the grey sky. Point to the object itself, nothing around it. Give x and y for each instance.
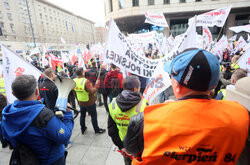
(90, 9)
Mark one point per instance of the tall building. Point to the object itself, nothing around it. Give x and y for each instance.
(129, 15)
(100, 33)
(49, 22)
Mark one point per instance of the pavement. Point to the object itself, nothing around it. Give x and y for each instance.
(87, 149)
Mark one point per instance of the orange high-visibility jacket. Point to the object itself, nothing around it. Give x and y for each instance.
(194, 131)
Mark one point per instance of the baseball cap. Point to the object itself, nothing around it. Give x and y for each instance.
(196, 69)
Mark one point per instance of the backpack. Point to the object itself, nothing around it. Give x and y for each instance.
(23, 155)
(116, 87)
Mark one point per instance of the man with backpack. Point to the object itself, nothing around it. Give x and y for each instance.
(113, 82)
(27, 123)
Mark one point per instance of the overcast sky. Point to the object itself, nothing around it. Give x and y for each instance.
(90, 9)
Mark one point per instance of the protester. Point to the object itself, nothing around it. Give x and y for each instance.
(121, 109)
(194, 127)
(48, 89)
(85, 94)
(113, 82)
(91, 75)
(238, 74)
(29, 122)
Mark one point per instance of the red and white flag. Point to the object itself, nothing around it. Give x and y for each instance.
(156, 19)
(13, 66)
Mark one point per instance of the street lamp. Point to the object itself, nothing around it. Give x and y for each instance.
(32, 32)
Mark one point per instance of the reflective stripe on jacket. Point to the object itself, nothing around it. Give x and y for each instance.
(82, 94)
(122, 118)
(194, 131)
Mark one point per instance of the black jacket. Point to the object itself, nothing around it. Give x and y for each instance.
(125, 101)
(49, 92)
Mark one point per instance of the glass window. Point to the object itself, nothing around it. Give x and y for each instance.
(12, 27)
(151, 2)
(111, 5)
(182, 1)
(135, 3)
(9, 16)
(6, 5)
(197, 0)
(1, 16)
(121, 4)
(19, 2)
(166, 1)
(1, 25)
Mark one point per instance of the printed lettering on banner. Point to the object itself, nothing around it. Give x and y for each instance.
(120, 52)
(14, 65)
(213, 18)
(156, 19)
(159, 82)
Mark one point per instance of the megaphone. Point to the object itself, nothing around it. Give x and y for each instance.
(64, 86)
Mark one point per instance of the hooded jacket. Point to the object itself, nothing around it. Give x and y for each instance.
(125, 101)
(108, 80)
(30, 123)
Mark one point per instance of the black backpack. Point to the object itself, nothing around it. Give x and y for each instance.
(23, 155)
(116, 87)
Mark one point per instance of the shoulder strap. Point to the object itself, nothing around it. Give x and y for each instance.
(43, 118)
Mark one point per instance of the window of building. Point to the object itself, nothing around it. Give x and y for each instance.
(166, 1)
(1, 16)
(135, 3)
(197, 0)
(19, 2)
(12, 28)
(182, 1)
(41, 16)
(1, 25)
(121, 4)
(151, 2)
(6, 5)
(111, 5)
(9, 16)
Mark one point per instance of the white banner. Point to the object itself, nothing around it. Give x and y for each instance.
(35, 51)
(159, 82)
(220, 47)
(207, 38)
(156, 19)
(237, 29)
(213, 18)
(13, 66)
(240, 44)
(244, 61)
(119, 52)
(63, 41)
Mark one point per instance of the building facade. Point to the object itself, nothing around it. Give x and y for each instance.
(100, 33)
(129, 15)
(51, 26)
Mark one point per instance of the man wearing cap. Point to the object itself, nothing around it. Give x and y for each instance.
(194, 129)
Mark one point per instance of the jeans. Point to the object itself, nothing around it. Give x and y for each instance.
(105, 101)
(92, 111)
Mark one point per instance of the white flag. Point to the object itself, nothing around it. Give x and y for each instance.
(233, 38)
(244, 61)
(156, 19)
(13, 66)
(213, 18)
(81, 61)
(63, 41)
(240, 44)
(159, 82)
(207, 37)
(238, 29)
(189, 39)
(35, 51)
(220, 46)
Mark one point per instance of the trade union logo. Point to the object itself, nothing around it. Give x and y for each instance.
(19, 71)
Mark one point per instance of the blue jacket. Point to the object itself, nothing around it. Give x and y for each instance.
(29, 122)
